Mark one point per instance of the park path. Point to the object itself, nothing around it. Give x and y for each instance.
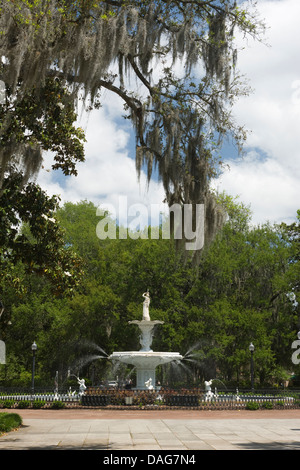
(159, 430)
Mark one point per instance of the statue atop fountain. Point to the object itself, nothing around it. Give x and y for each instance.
(146, 325)
(146, 304)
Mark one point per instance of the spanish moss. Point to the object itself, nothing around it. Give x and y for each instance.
(176, 118)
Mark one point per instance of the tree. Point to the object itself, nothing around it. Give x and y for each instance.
(30, 235)
(176, 116)
(36, 120)
(234, 296)
(237, 294)
(242, 295)
(292, 234)
(40, 120)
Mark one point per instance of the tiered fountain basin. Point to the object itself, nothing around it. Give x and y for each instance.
(145, 360)
(145, 364)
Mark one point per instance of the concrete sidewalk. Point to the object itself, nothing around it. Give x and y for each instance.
(159, 430)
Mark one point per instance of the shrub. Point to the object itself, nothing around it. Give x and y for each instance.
(57, 405)
(37, 404)
(23, 404)
(252, 405)
(268, 405)
(9, 421)
(8, 403)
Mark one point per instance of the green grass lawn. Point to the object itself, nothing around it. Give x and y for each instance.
(9, 421)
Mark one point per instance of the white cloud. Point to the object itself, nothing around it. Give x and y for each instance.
(272, 113)
(271, 192)
(108, 172)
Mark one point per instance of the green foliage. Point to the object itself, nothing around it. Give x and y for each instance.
(239, 216)
(292, 235)
(243, 290)
(30, 234)
(237, 294)
(9, 421)
(57, 405)
(7, 403)
(252, 405)
(41, 120)
(38, 404)
(267, 405)
(23, 404)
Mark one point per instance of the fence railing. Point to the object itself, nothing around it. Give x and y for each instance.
(190, 398)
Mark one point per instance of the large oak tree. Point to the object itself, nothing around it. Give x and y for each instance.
(181, 57)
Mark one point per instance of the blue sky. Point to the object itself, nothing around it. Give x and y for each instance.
(266, 178)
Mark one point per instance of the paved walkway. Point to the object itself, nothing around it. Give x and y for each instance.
(108, 430)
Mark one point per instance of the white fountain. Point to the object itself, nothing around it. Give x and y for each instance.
(145, 360)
